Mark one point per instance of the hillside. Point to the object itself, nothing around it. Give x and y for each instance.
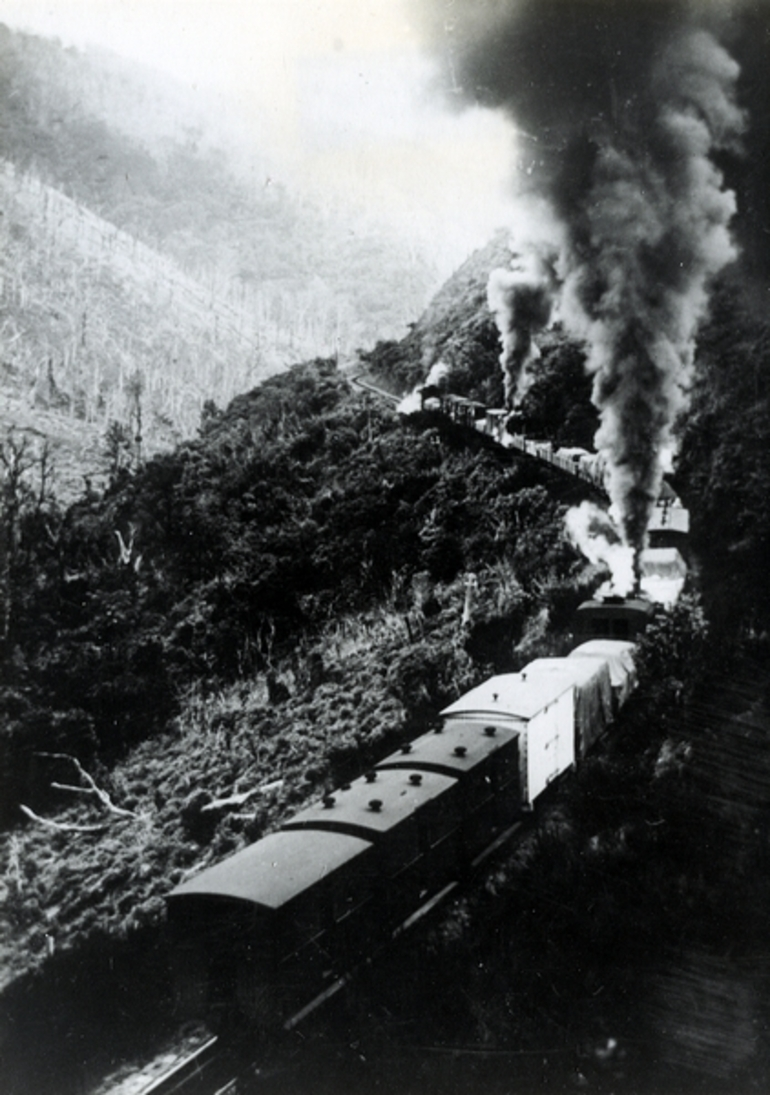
(98, 328)
(140, 250)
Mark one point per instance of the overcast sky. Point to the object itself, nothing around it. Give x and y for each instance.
(340, 88)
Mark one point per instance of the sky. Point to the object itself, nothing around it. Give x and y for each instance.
(340, 89)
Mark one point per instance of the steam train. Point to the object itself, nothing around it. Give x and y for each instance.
(260, 936)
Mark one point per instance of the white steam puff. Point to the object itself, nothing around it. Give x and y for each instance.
(593, 533)
(412, 403)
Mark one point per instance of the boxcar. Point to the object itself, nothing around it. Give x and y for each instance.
(619, 659)
(593, 699)
(541, 710)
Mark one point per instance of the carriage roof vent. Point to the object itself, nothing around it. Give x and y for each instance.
(406, 747)
(328, 801)
(415, 779)
(375, 805)
(460, 750)
(490, 731)
(370, 777)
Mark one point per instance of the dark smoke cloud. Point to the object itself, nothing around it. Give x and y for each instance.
(622, 109)
(521, 298)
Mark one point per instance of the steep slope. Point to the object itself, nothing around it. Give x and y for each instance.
(139, 251)
(99, 328)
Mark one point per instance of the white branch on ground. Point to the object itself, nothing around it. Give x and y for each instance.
(242, 797)
(62, 826)
(91, 789)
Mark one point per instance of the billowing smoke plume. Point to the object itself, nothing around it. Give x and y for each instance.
(593, 533)
(651, 235)
(620, 108)
(521, 298)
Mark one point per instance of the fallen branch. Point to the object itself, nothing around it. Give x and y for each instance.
(91, 789)
(241, 798)
(62, 826)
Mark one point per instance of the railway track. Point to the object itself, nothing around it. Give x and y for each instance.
(203, 1072)
(365, 386)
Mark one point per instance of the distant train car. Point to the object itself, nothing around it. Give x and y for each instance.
(613, 618)
(669, 525)
(495, 423)
(664, 573)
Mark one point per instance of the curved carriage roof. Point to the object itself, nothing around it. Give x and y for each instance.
(620, 607)
(350, 809)
(508, 696)
(577, 671)
(274, 870)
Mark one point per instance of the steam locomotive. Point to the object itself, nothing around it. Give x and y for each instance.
(257, 938)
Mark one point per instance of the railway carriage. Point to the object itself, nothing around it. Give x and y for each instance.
(406, 815)
(484, 760)
(247, 932)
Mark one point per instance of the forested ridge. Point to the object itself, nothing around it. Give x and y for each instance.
(144, 257)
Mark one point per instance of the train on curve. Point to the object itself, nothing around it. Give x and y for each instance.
(258, 937)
